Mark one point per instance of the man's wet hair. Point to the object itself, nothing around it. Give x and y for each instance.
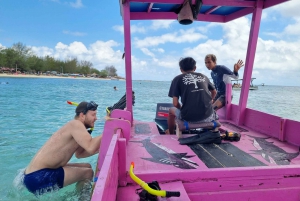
(84, 107)
(212, 57)
(187, 64)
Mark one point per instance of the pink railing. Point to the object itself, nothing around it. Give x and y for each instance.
(111, 167)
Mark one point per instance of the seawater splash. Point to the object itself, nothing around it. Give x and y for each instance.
(69, 193)
(85, 193)
(18, 181)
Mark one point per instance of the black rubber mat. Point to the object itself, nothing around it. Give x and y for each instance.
(142, 129)
(224, 155)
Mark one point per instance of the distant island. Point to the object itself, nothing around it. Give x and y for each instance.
(64, 76)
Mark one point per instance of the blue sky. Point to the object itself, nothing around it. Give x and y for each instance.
(93, 31)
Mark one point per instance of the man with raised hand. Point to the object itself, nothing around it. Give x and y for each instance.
(221, 76)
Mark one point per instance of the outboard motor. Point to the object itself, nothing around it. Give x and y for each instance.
(162, 113)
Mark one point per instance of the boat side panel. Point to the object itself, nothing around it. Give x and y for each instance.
(263, 122)
(208, 176)
(292, 132)
(107, 182)
(275, 194)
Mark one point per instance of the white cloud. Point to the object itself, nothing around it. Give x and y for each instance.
(177, 37)
(147, 52)
(2, 47)
(289, 9)
(160, 50)
(292, 29)
(119, 28)
(76, 4)
(133, 29)
(99, 53)
(76, 33)
(161, 24)
(42, 51)
(272, 55)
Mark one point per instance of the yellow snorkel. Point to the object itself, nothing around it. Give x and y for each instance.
(146, 187)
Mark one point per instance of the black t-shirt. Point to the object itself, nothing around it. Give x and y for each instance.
(194, 92)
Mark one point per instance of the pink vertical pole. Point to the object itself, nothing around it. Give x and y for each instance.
(126, 18)
(254, 30)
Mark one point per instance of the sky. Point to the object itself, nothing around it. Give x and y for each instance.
(93, 31)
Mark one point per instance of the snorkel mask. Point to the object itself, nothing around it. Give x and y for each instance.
(90, 106)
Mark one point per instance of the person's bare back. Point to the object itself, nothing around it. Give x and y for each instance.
(58, 150)
(49, 169)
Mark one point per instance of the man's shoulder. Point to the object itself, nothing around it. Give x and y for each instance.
(222, 68)
(74, 123)
(178, 76)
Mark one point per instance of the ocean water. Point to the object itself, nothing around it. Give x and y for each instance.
(31, 109)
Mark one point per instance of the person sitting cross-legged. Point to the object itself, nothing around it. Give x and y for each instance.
(196, 93)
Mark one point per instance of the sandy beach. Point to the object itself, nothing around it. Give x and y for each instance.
(49, 76)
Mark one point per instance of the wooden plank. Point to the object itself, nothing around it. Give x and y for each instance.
(206, 157)
(227, 160)
(246, 159)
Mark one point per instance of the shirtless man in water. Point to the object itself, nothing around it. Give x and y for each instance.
(49, 169)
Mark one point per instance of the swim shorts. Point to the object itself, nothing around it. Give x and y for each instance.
(44, 180)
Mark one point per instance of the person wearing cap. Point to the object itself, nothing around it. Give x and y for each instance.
(50, 168)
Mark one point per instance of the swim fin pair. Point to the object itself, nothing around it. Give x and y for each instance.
(205, 137)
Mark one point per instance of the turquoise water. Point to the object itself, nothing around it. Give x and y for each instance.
(32, 109)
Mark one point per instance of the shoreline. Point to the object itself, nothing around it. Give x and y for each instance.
(3, 75)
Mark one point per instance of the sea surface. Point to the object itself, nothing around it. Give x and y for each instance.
(31, 109)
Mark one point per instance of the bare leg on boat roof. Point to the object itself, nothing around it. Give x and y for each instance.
(217, 105)
(171, 121)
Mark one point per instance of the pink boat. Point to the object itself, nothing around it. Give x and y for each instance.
(263, 165)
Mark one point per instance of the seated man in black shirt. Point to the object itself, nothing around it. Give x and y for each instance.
(196, 93)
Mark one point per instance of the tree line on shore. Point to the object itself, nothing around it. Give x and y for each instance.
(19, 57)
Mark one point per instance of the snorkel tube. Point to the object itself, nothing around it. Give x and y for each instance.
(76, 104)
(145, 186)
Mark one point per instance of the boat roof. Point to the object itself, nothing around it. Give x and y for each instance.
(211, 10)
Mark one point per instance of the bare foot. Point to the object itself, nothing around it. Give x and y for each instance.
(167, 132)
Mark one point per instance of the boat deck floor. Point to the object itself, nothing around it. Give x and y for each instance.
(155, 153)
(152, 151)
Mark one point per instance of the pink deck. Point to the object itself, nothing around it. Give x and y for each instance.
(200, 182)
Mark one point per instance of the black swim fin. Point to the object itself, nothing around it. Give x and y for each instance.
(206, 137)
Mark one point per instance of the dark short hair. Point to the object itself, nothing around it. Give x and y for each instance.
(81, 107)
(212, 57)
(187, 63)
